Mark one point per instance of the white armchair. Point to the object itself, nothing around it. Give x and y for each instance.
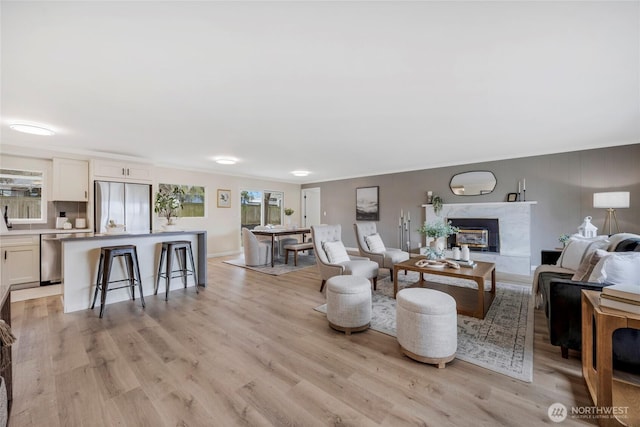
(373, 248)
(333, 260)
(256, 252)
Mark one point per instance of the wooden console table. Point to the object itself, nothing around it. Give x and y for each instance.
(599, 325)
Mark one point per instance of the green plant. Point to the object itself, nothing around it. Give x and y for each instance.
(168, 203)
(437, 204)
(288, 211)
(438, 229)
(564, 238)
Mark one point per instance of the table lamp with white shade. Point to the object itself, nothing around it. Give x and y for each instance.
(611, 201)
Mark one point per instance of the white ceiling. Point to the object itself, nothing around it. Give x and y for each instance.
(342, 89)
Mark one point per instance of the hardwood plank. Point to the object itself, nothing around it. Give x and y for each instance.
(249, 350)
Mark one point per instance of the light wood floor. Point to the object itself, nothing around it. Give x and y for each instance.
(250, 350)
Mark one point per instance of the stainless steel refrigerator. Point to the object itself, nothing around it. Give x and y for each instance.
(122, 203)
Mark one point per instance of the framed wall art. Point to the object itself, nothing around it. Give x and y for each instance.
(367, 205)
(192, 198)
(224, 198)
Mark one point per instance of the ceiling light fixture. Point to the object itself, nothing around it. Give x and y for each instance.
(226, 160)
(300, 173)
(32, 129)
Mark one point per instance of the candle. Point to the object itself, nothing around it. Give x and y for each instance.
(400, 222)
(401, 213)
(409, 215)
(519, 189)
(524, 183)
(405, 225)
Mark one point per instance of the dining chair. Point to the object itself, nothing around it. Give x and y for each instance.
(256, 252)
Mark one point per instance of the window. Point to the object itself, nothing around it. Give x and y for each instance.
(261, 207)
(273, 208)
(21, 193)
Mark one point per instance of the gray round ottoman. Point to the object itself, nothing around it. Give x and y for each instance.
(349, 303)
(427, 325)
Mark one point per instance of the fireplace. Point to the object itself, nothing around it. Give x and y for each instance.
(481, 234)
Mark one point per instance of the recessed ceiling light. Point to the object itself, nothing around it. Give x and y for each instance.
(32, 129)
(300, 173)
(226, 160)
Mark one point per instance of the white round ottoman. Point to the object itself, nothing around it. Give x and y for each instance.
(427, 325)
(349, 303)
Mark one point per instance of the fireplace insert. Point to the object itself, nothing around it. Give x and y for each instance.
(481, 234)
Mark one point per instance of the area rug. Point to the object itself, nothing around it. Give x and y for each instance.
(279, 267)
(501, 342)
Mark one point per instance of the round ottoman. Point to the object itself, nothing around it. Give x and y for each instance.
(349, 303)
(427, 325)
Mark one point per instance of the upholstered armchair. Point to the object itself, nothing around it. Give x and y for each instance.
(256, 252)
(332, 257)
(370, 245)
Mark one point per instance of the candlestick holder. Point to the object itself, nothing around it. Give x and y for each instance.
(524, 195)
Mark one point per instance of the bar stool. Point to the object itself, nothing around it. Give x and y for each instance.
(107, 255)
(181, 248)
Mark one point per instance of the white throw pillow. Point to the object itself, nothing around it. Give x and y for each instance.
(336, 252)
(375, 243)
(617, 268)
(578, 249)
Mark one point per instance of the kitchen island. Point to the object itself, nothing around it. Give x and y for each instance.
(81, 253)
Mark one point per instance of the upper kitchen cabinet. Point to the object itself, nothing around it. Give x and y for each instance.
(70, 180)
(122, 171)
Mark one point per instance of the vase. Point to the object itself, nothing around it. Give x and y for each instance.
(171, 224)
(465, 253)
(438, 244)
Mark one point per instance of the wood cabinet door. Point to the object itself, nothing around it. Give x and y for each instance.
(70, 180)
(20, 264)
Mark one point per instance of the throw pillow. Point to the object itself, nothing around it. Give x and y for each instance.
(336, 252)
(375, 243)
(586, 267)
(617, 268)
(578, 249)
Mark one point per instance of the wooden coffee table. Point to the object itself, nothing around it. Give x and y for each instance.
(469, 301)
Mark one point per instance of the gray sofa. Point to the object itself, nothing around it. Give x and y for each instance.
(561, 300)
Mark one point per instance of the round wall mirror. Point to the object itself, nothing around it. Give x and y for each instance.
(473, 183)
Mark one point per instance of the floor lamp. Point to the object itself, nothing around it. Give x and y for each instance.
(611, 201)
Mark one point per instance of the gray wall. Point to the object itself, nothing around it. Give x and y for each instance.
(562, 184)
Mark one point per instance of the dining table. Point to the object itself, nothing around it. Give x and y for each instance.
(277, 232)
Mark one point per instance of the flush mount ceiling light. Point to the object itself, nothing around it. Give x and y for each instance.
(32, 129)
(300, 173)
(226, 160)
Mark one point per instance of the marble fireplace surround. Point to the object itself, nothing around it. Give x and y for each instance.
(515, 231)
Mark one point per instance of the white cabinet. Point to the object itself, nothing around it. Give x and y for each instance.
(20, 259)
(70, 180)
(122, 171)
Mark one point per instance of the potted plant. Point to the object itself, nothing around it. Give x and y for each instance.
(437, 204)
(169, 203)
(437, 231)
(288, 212)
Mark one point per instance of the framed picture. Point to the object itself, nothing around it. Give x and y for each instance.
(512, 197)
(367, 206)
(192, 198)
(224, 198)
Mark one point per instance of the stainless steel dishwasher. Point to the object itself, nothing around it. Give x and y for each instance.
(50, 259)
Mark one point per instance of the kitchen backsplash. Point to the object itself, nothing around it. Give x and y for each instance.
(73, 210)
